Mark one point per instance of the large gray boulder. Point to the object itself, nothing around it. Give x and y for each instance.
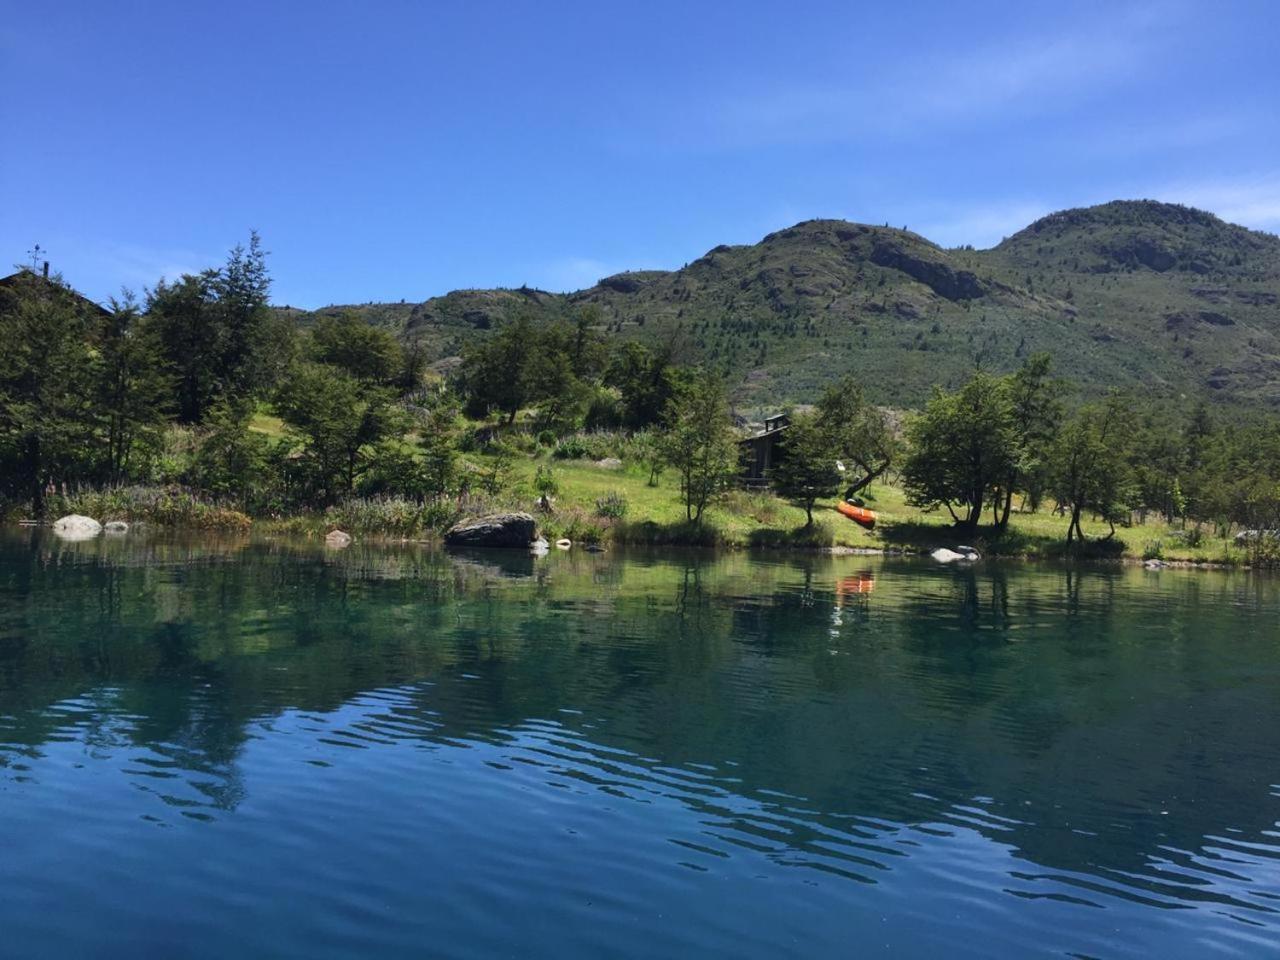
(75, 527)
(493, 530)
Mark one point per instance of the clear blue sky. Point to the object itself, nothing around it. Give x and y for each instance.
(402, 149)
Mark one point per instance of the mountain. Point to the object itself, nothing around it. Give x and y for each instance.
(1126, 294)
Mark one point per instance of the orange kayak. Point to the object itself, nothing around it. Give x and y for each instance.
(859, 515)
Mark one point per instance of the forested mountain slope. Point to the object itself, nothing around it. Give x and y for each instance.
(1127, 294)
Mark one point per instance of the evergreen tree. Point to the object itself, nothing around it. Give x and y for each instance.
(48, 369)
(132, 390)
(806, 469)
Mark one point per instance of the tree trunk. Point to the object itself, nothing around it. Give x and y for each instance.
(866, 481)
(1008, 506)
(808, 512)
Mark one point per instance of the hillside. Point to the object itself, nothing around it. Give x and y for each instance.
(1130, 294)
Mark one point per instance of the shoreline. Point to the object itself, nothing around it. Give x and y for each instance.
(280, 530)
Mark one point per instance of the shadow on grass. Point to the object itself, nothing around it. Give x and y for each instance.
(653, 534)
(1011, 542)
(801, 538)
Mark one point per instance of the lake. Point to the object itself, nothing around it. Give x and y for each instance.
(251, 749)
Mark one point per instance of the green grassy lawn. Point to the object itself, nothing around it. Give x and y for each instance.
(741, 518)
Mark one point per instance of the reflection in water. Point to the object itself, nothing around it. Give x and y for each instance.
(1073, 761)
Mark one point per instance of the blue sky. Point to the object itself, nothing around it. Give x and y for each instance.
(392, 148)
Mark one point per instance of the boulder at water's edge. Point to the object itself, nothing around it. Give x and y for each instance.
(75, 527)
(493, 530)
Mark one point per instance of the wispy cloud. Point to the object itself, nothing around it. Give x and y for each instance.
(1252, 201)
(983, 225)
(567, 274)
(1013, 75)
(137, 266)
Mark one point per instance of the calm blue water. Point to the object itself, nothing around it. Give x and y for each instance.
(254, 750)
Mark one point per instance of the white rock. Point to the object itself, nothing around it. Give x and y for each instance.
(337, 539)
(962, 554)
(115, 526)
(539, 548)
(564, 543)
(75, 527)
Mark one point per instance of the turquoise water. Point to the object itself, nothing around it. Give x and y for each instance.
(252, 749)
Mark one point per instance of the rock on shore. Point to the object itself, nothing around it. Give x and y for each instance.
(75, 527)
(493, 530)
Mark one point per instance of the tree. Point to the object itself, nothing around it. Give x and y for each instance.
(1036, 408)
(646, 381)
(1088, 469)
(132, 390)
(47, 372)
(806, 468)
(232, 460)
(338, 418)
(218, 333)
(698, 442)
(439, 461)
(494, 374)
(962, 446)
(860, 435)
(361, 349)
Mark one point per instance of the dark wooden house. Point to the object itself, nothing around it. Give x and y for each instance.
(758, 453)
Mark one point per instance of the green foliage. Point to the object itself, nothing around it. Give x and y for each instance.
(132, 393)
(612, 506)
(47, 385)
(806, 466)
(339, 419)
(962, 447)
(365, 352)
(232, 461)
(218, 333)
(858, 434)
(698, 442)
(1089, 470)
(527, 363)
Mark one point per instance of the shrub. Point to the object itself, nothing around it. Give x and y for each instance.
(612, 506)
(1153, 550)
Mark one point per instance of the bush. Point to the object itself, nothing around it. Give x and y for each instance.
(1153, 550)
(572, 448)
(612, 506)
(163, 506)
(390, 516)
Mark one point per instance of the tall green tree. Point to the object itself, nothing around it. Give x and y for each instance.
(218, 333)
(47, 375)
(361, 349)
(859, 434)
(1089, 471)
(1035, 400)
(339, 420)
(806, 469)
(132, 390)
(494, 374)
(962, 447)
(699, 443)
(646, 380)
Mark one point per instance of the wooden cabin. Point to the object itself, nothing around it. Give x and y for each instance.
(758, 452)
